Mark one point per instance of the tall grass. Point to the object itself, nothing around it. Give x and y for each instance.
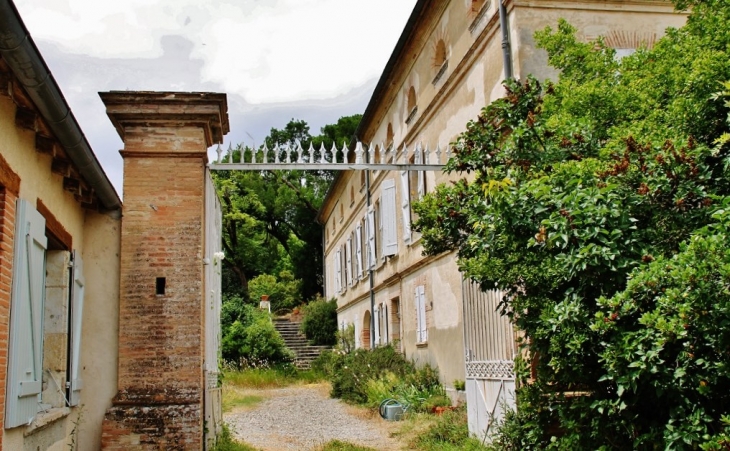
(271, 377)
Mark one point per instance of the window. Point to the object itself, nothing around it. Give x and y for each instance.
(406, 205)
(395, 320)
(45, 321)
(338, 271)
(376, 326)
(412, 108)
(421, 325)
(440, 63)
(388, 218)
(370, 232)
(348, 261)
(415, 190)
(358, 251)
(476, 5)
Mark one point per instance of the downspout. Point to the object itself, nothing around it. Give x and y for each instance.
(19, 51)
(506, 45)
(370, 267)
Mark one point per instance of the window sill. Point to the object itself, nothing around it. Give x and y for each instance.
(43, 419)
(423, 344)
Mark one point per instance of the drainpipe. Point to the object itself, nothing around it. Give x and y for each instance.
(506, 46)
(19, 51)
(370, 267)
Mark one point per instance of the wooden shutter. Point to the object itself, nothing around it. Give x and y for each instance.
(76, 315)
(25, 348)
(421, 174)
(385, 323)
(371, 237)
(421, 326)
(405, 206)
(376, 326)
(388, 218)
(338, 271)
(348, 256)
(358, 250)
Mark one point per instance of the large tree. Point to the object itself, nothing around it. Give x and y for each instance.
(269, 216)
(598, 205)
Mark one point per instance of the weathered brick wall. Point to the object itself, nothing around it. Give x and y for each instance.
(159, 403)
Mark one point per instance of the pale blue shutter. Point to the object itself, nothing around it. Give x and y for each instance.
(406, 206)
(338, 271)
(421, 174)
(421, 326)
(77, 310)
(25, 347)
(348, 260)
(358, 251)
(370, 229)
(377, 325)
(388, 218)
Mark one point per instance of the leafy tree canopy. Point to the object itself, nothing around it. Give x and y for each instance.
(597, 204)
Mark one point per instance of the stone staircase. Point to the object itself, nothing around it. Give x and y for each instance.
(294, 340)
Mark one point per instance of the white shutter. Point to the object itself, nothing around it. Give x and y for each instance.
(421, 326)
(358, 250)
(405, 206)
(388, 218)
(421, 174)
(386, 335)
(377, 325)
(371, 237)
(77, 310)
(338, 271)
(348, 266)
(25, 348)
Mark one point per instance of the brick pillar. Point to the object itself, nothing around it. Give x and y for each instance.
(160, 402)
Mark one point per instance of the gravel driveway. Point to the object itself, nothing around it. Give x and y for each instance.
(304, 418)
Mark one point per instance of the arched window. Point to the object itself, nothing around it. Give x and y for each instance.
(439, 56)
(476, 5)
(412, 107)
(389, 136)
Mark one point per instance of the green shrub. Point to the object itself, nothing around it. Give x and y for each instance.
(450, 432)
(320, 322)
(252, 340)
(283, 291)
(226, 442)
(459, 385)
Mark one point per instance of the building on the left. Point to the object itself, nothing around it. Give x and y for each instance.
(69, 300)
(59, 260)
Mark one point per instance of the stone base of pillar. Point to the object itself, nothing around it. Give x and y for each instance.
(169, 427)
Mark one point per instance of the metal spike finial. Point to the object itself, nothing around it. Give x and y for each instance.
(300, 152)
(322, 152)
(426, 154)
(276, 153)
(311, 152)
(359, 153)
(438, 154)
(334, 152)
(287, 152)
(382, 154)
(230, 153)
(404, 152)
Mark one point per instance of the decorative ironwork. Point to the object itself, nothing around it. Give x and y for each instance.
(490, 369)
(362, 156)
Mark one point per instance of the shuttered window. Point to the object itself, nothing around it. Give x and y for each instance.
(338, 271)
(370, 228)
(25, 348)
(405, 206)
(421, 326)
(358, 251)
(376, 326)
(388, 218)
(348, 262)
(421, 180)
(77, 310)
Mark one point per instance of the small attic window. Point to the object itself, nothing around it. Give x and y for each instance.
(477, 12)
(439, 60)
(412, 107)
(389, 135)
(476, 6)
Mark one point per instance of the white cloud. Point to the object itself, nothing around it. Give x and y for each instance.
(265, 51)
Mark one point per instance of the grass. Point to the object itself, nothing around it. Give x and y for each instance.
(239, 398)
(269, 377)
(226, 442)
(336, 445)
(445, 432)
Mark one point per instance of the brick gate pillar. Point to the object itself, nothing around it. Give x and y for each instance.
(160, 402)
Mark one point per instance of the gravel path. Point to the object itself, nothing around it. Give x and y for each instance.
(304, 418)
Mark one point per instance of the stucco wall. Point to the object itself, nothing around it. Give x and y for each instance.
(96, 237)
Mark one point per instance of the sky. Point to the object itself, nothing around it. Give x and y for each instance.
(315, 60)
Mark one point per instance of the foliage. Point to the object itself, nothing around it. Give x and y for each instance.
(419, 390)
(459, 385)
(234, 399)
(337, 445)
(346, 338)
(320, 321)
(268, 376)
(226, 442)
(252, 339)
(449, 432)
(283, 292)
(269, 216)
(590, 204)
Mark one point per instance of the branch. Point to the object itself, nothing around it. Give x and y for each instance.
(299, 193)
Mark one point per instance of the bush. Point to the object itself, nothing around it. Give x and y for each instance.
(420, 389)
(283, 291)
(320, 322)
(450, 432)
(252, 340)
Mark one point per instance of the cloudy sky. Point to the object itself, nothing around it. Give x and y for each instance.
(314, 60)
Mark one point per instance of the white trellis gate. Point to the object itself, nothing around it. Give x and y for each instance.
(490, 346)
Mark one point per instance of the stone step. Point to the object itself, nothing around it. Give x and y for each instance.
(297, 343)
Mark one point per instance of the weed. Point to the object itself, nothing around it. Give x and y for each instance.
(226, 442)
(336, 445)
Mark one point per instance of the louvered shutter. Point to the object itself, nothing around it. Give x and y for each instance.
(385, 323)
(358, 250)
(421, 174)
(405, 206)
(338, 272)
(371, 237)
(377, 326)
(25, 348)
(421, 326)
(77, 310)
(388, 218)
(348, 266)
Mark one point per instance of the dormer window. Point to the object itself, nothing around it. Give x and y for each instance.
(412, 107)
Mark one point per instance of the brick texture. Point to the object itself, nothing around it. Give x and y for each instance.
(7, 233)
(159, 404)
